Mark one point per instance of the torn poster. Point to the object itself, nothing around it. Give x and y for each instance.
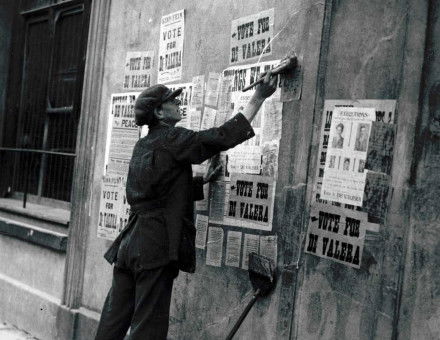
(291, 84)
(185, 99)
(198, 92)
(251, 245)
(214, 251)
(344, 176)
(233, 248)
(268, 247)
(110, 207)
(380, 148)
(269, 159)
(251, 36)
(172, 29)
(208, 118)
(138, 70)
(375, 202)
(251, 201)
(201, 231)
(212, 89)
(123, 133)
(336, 235)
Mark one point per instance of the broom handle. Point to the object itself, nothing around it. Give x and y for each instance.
(243, 315)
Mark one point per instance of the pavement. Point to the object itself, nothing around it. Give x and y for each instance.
(9, 332)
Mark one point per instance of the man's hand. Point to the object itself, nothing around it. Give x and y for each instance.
(267, 87)
(214, 170)
(263, 90)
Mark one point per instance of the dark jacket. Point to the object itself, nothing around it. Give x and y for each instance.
(161, 191)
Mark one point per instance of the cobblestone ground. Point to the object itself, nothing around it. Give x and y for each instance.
(9, 332)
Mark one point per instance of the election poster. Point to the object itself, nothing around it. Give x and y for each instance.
(138, 70)
(251, 37)
(110, 207)
(384, 110)
(185, 100)
(123, 133)
(344, 175)
(172, 29)
(336, 234)
(251, 201)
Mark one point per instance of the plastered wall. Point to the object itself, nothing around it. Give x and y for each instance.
(348, 50)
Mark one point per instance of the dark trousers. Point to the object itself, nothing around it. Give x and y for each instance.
(138, 300)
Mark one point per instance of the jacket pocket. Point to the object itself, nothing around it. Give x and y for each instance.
(149, 240)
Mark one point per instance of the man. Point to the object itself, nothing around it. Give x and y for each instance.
(362, 139)
(159, 238)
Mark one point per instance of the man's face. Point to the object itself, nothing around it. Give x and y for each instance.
(362, 131)
(339, 130)
(170, 111)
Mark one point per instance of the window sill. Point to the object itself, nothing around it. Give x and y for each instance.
(37, 224)
(36, 211)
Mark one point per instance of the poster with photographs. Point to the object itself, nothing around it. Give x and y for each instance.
(344, 175)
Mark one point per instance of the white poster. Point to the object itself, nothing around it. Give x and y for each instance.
(251, 199)
(138, 70)
(251, 36)
(172, 29)
(336, 234)
(344, 175)
(195, 118)
(214, 250)
(233, 248)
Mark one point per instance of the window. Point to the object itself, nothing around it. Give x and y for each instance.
(39, 139)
